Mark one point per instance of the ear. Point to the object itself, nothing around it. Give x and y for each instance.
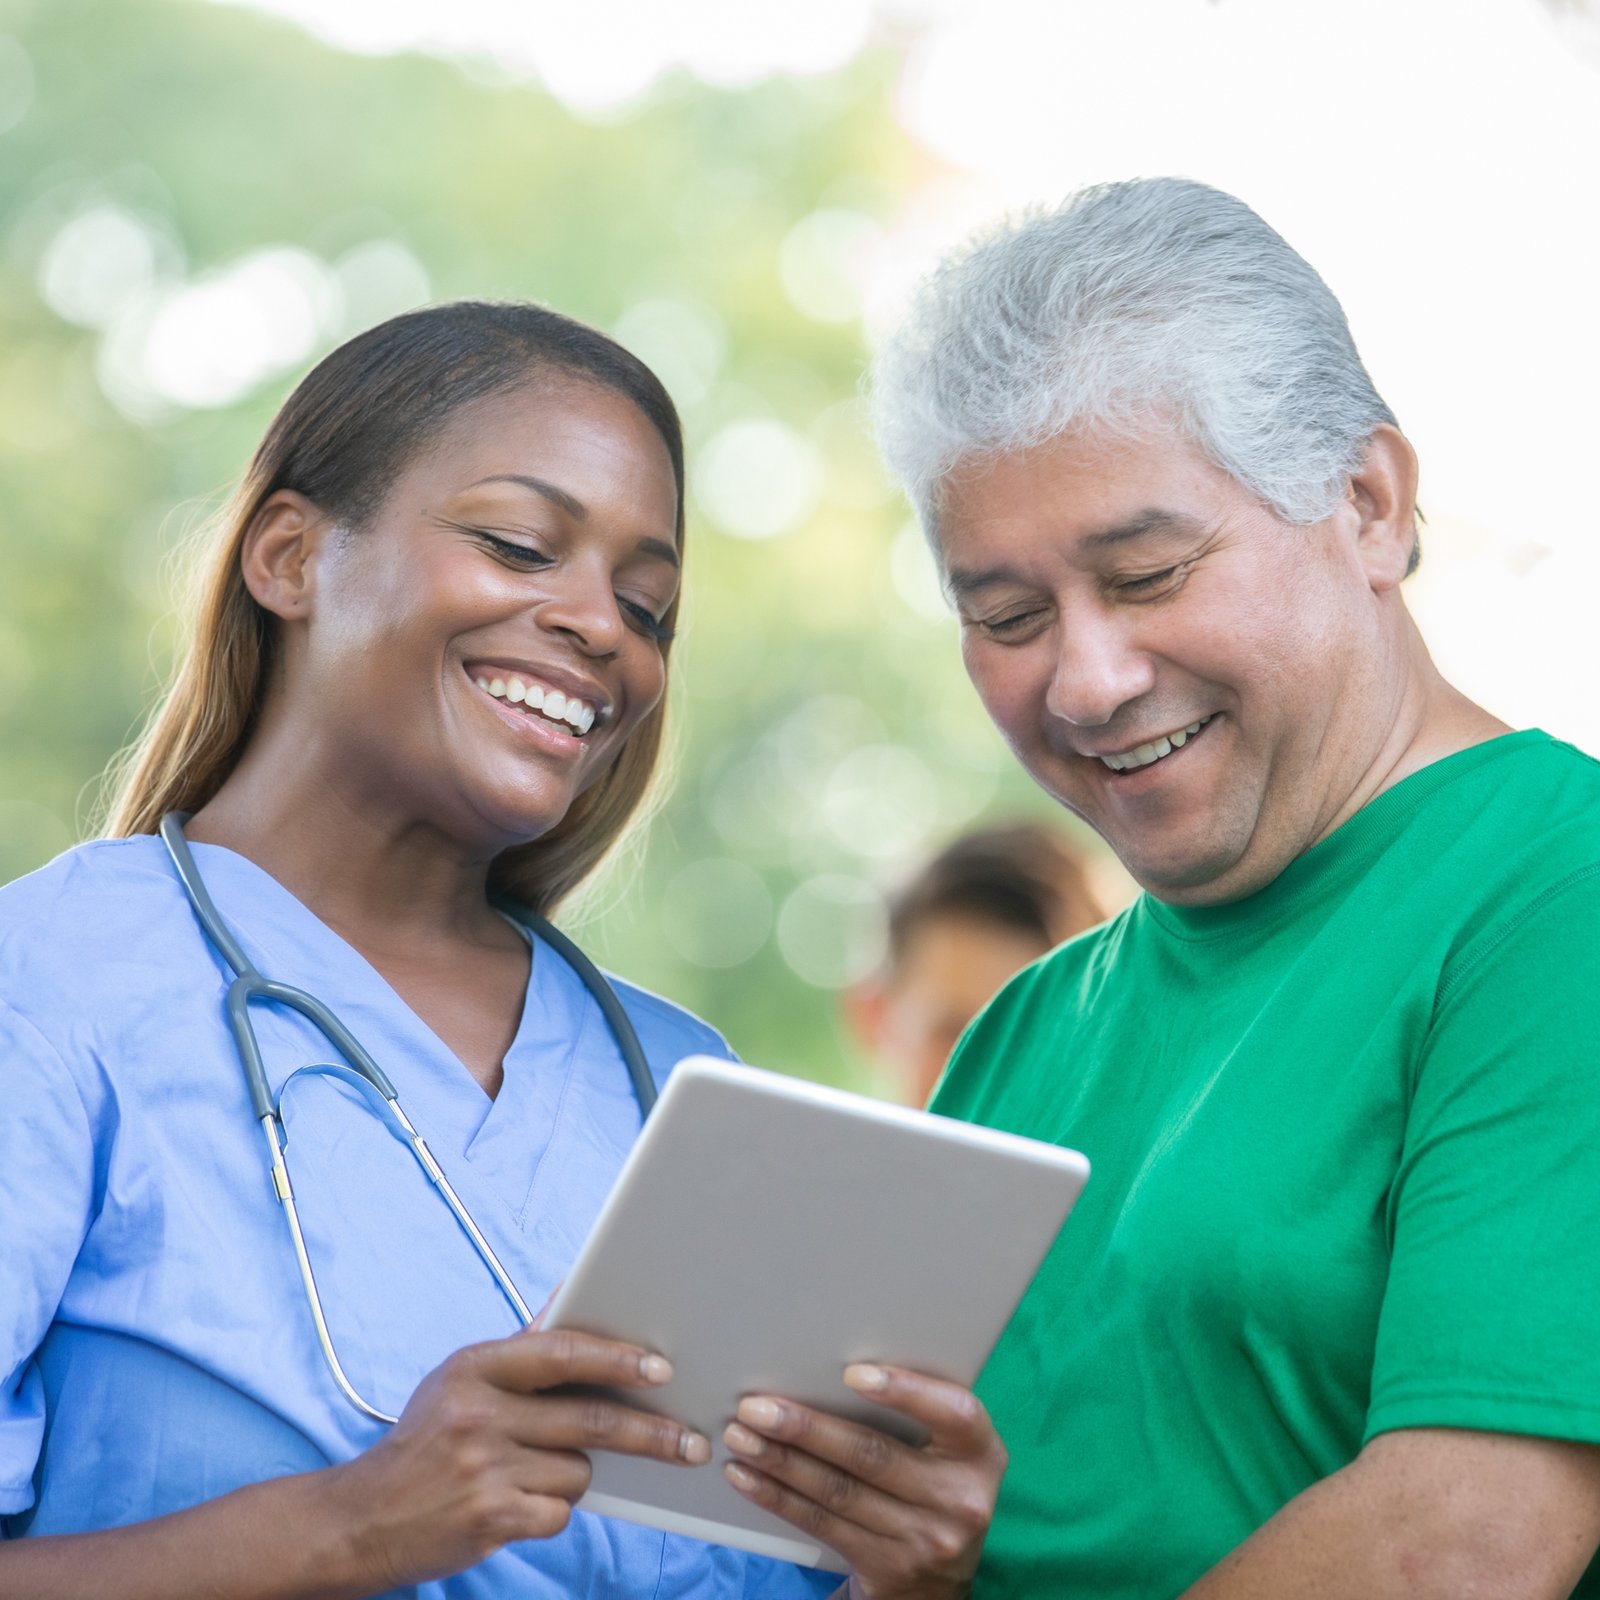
(1383, 491)
(865, 1007)
(278, 558)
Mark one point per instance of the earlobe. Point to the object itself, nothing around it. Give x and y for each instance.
(278, 557)
(1384, 492)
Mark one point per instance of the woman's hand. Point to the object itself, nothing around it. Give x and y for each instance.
(483, 1455)
(911, 1523)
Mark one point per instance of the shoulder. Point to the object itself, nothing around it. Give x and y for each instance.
(1028, 1022)
(86, 894)
(1512, 842)
(667, 1031)
(70, 931)
(1529, 794)
(1070, 971)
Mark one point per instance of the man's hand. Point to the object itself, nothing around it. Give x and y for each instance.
(911, 1523)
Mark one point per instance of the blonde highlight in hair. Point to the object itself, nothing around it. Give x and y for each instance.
(198, 731)
(340, 438)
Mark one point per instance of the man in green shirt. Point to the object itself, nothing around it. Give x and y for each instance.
(1327, 1319)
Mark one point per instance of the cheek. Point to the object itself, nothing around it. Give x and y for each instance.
(644, 682)
(1007, 682)
(374, 600)
(647, 681)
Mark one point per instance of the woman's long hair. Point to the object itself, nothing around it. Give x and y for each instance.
(354, 423)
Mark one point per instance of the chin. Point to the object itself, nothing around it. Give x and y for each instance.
(1194, 879)
(518, 817)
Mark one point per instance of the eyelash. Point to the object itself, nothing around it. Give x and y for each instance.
(1150, 580)
(1148, 583)
(526, 555)
(1001, 627)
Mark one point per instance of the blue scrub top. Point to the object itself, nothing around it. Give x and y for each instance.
(156, 1349)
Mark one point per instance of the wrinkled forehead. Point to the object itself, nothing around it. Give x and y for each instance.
(1090, 490)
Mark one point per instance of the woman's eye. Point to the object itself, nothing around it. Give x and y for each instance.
(645, 620)
(639, 616)
(511, 550)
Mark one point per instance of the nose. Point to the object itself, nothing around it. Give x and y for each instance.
(582, 605)
(1099, 668)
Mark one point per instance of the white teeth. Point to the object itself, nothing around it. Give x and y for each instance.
(1145, 754)
(577, 714)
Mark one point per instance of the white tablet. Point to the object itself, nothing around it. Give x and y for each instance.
(765, 1232)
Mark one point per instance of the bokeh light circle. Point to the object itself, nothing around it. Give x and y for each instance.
(758, 478)
(831, 930)
(717, 912)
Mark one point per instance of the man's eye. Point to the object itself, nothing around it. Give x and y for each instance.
(1147, 582)
(1013, 625)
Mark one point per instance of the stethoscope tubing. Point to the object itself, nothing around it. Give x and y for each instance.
(249, 985)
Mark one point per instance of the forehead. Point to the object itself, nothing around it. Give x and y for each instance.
(1079, 495)
(585, 440)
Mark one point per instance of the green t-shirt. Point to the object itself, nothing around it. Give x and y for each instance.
(1345, 1140)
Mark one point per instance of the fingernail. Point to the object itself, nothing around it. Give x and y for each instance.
(868, 1379)
(742, 1440)
(655, 1369)
(760, 1413)
(694, 1448)
(739, 1477)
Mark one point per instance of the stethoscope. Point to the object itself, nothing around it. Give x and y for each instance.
(360, 1070)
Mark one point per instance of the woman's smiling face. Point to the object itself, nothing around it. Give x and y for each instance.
(477, 653)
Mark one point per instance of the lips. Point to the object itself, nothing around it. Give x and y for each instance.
(1153, 750)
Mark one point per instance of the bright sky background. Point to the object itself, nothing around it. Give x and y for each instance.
(1437, 160)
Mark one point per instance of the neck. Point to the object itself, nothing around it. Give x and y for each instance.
(1428, 720)
(383, 880)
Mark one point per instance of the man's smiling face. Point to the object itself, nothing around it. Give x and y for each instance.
(1201, 682)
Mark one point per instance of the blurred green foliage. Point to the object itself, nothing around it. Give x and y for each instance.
(825, 732)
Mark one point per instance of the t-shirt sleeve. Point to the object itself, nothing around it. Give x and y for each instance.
(46, 1185)
(1491, 1315)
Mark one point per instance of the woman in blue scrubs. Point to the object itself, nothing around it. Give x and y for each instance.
(428, 666)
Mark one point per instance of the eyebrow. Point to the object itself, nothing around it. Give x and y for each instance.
(576, 509)
(962, 581)
(569, 503)
(1137, 527)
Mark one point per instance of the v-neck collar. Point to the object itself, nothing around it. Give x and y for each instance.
(285, 944)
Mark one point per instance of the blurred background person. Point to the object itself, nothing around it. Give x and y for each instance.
(979, 911)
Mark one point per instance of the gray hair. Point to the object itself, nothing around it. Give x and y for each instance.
(1134, 303)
